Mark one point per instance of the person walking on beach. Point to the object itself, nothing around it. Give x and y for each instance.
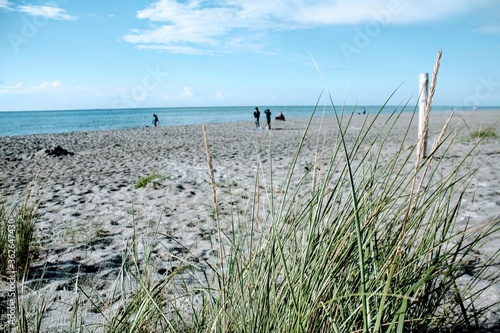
(256, 114)
(155, 120)
(268, 118)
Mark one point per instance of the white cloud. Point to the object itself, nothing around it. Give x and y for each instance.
(307, 13)
(49, 12)
(176, 49)
(206, 26)
(187, 92)
(21, 88)
(193, 28)
(54, 84)
(13, 89)
(5, 4)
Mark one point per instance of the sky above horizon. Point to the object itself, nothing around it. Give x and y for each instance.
(67, 54)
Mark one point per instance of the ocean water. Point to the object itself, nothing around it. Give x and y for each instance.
(44, 122)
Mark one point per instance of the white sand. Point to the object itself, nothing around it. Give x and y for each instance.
(90, 209)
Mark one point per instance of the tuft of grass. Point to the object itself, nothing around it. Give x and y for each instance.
(140, 301)
(365, 244)
(17, 250)
(483, 134)
(145, 180)
(359, 253)
(17, 229)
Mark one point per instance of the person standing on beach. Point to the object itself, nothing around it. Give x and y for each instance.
(155, 120)
(268, 118)
(256, 114)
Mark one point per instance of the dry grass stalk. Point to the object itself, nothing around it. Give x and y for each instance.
(421, 142)
(258, 201)
(441, 135)
(216, 207)
(427, 113)
(436, 145)
(433, 85)
(211, 173)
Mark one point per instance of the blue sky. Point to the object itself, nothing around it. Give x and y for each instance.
(69, 54)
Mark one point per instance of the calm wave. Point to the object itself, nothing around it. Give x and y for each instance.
(38, 122)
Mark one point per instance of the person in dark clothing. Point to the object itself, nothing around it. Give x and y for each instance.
(280, 117)
(155, 120)
(256, 115)
(268, 118)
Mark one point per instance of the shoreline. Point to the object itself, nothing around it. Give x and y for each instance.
(76, 121)
(90, 207)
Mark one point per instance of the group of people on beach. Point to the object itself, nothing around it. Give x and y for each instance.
(256, 115)
(267, 112)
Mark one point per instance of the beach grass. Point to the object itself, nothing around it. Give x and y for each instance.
(18, 249)
(364, 239)
(145, 180)
(360, 241)
(17, 231)
(483, 134)
(359, 244)
(362, 249)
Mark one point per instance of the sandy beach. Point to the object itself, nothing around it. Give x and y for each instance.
(91, 208)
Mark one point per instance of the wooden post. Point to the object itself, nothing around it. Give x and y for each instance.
(422, 105)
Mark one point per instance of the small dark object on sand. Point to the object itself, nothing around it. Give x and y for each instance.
(58, 151)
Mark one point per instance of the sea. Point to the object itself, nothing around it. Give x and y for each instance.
(15, 123)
